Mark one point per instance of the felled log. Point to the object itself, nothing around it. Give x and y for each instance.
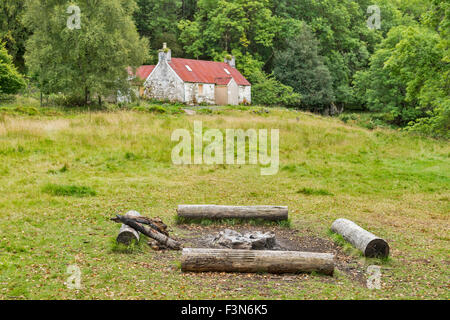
(225, 212)
(155, 223)
(368, 243)
(126, 233)
(150, 232)
(230, 260)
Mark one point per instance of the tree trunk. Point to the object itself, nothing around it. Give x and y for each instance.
(150, 232)
(368, 243)
(126, 233)
(222, 212)
(232, 260)
(86, 96)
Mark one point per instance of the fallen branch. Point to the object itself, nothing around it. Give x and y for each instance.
(149, 232)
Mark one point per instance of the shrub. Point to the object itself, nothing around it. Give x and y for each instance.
(436, 125)
(266, 90)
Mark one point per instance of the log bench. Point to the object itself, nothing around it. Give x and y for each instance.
(232, 260)
(272, 213)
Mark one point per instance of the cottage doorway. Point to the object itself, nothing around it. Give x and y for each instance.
(221, 95)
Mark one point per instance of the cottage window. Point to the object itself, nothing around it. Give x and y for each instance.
(200, 89)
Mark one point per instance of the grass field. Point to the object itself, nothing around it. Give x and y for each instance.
(63, 175)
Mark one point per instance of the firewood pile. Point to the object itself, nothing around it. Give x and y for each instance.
(154, 228)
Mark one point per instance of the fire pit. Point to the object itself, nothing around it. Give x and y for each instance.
(249, 241)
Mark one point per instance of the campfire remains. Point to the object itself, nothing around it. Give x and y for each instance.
(234, 240)
(231, 251)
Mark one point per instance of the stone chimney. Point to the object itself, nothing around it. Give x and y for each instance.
(165, 54)
(231, 61)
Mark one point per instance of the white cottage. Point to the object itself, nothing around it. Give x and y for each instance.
(195, 81)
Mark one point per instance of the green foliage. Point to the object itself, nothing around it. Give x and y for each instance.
(345, 41)
(226, 25)
(408, 78)
(83, 62)
(301, 67)
(244, 28)
(418, 62)
(380, 89)
(13, 31)
(10, 79)
(436, 124)
(156, 20)
(266, 90)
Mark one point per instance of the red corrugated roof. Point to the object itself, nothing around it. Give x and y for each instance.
(205, 71)
(144, 71)
(223, 81)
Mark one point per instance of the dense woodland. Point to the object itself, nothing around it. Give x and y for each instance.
(316, 55)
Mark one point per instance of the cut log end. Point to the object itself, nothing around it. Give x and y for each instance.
(127, 237)
(377, 248)
(371, 245)
(127, 234)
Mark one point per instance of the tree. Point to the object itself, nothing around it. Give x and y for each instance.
(10, 80)
(13, 31)
(344, 39)
(408, 80)
(381, 91)
(157, 21)
(421, 62)
(301, 67)
(224, 26)
(85, 61)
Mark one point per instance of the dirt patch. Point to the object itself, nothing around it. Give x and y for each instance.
(195, 236)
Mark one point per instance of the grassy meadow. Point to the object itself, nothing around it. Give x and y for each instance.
(64, 174)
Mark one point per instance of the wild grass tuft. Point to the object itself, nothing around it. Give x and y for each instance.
(315, 192)
(346, 246)
(133, 247)
(69, 190)
(233, 222)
